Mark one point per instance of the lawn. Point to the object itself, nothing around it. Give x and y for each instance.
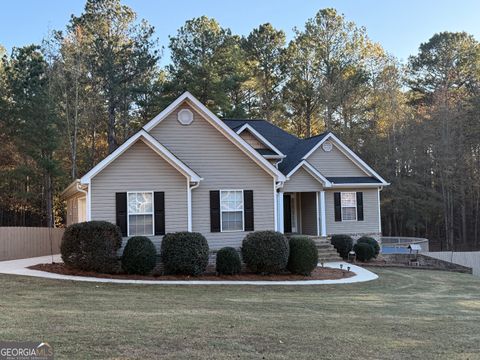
(406, 314)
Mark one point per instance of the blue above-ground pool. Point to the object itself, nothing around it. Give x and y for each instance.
(394, 250)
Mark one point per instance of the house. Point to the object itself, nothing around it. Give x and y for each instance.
(188, 170)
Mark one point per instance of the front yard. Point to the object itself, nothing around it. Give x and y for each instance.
(405, 314)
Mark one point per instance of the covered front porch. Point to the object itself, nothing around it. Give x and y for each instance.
(302, 213)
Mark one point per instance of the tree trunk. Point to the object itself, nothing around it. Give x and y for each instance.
(112, 144)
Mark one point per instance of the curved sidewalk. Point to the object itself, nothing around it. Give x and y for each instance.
(20, 267)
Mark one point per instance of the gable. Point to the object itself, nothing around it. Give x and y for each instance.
(252, 140)
(138, 159)
(335, 163)
(202, 147)
(200, 110)
(301, 180)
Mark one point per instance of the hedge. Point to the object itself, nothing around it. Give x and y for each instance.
(265, 251)
(139, 256)
(92, 246)
(228, 261)
(303, 257)
(184, 253)
(343, 244)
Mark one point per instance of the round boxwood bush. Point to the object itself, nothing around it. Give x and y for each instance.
(265, 251)
(139, 256)
(184, 253)
(372, 242)
(92, 246)
(303, 257)
(228, 261)
(364, 251)
(343, 244)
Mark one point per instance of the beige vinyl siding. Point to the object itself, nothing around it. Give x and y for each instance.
(223, 166)
(72, 208)
(252, 140)
(302, 181)
(370, 213)
(309, 213)
(334, 163)
(140, 168)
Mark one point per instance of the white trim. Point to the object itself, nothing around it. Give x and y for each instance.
(361, 185)
(189, 206)
(154, 145)
(281, 214)
(323, 216)
(317, 213)
(312, 171)
(349, 153)
(221, 211)
(84, 213)
(276, 212)
(222, 127)
(341, 205)
(89, 203)
(260, 137)
(379, 211)
(152, 213)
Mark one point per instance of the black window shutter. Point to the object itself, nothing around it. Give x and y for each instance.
(338, 206)
(159, 203)
(215, 211)
(248, 209)
(121, 210)
(359, 206)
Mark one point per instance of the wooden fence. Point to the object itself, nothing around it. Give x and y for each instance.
(26, 242)
(469, 259)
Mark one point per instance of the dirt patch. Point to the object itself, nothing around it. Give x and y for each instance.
(318, 274)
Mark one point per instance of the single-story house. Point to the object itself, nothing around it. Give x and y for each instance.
(188, 170)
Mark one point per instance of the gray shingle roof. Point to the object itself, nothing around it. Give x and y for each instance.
(293, 147)
(353, 180)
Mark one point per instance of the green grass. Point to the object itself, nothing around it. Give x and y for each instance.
(406, 314)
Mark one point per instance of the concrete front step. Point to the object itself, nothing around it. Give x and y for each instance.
(326, 251)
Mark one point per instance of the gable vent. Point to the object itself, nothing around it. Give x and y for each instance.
(185, 117)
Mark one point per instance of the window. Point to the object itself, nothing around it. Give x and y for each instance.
(231, 210)
(140, 213)
(349, 206)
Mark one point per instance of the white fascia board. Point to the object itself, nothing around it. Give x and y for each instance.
(349, 153)
(260, 138)
(222, 127)
(312, 171)
(274, 156)
(361, 185)
(151, 142)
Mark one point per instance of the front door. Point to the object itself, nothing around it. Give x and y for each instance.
(287, 213)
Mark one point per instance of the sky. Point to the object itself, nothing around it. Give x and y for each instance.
(400, 26)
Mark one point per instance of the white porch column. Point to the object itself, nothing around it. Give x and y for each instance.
(323, 217)
(317, 208)
(280, 214)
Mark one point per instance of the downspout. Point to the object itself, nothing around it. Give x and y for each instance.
(189, 203)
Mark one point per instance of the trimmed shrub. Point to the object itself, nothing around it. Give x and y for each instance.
(372, 242)
(228, 261)
(139, 256)
(184, 253)
(343, 244)
(303, 257)
(364, 251)
(265, 251)
(92, 246)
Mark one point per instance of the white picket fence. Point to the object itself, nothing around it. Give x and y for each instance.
(469, 259)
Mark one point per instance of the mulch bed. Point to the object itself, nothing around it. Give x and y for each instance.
(318, 274)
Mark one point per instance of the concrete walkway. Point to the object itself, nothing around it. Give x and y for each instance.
(19, 267)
